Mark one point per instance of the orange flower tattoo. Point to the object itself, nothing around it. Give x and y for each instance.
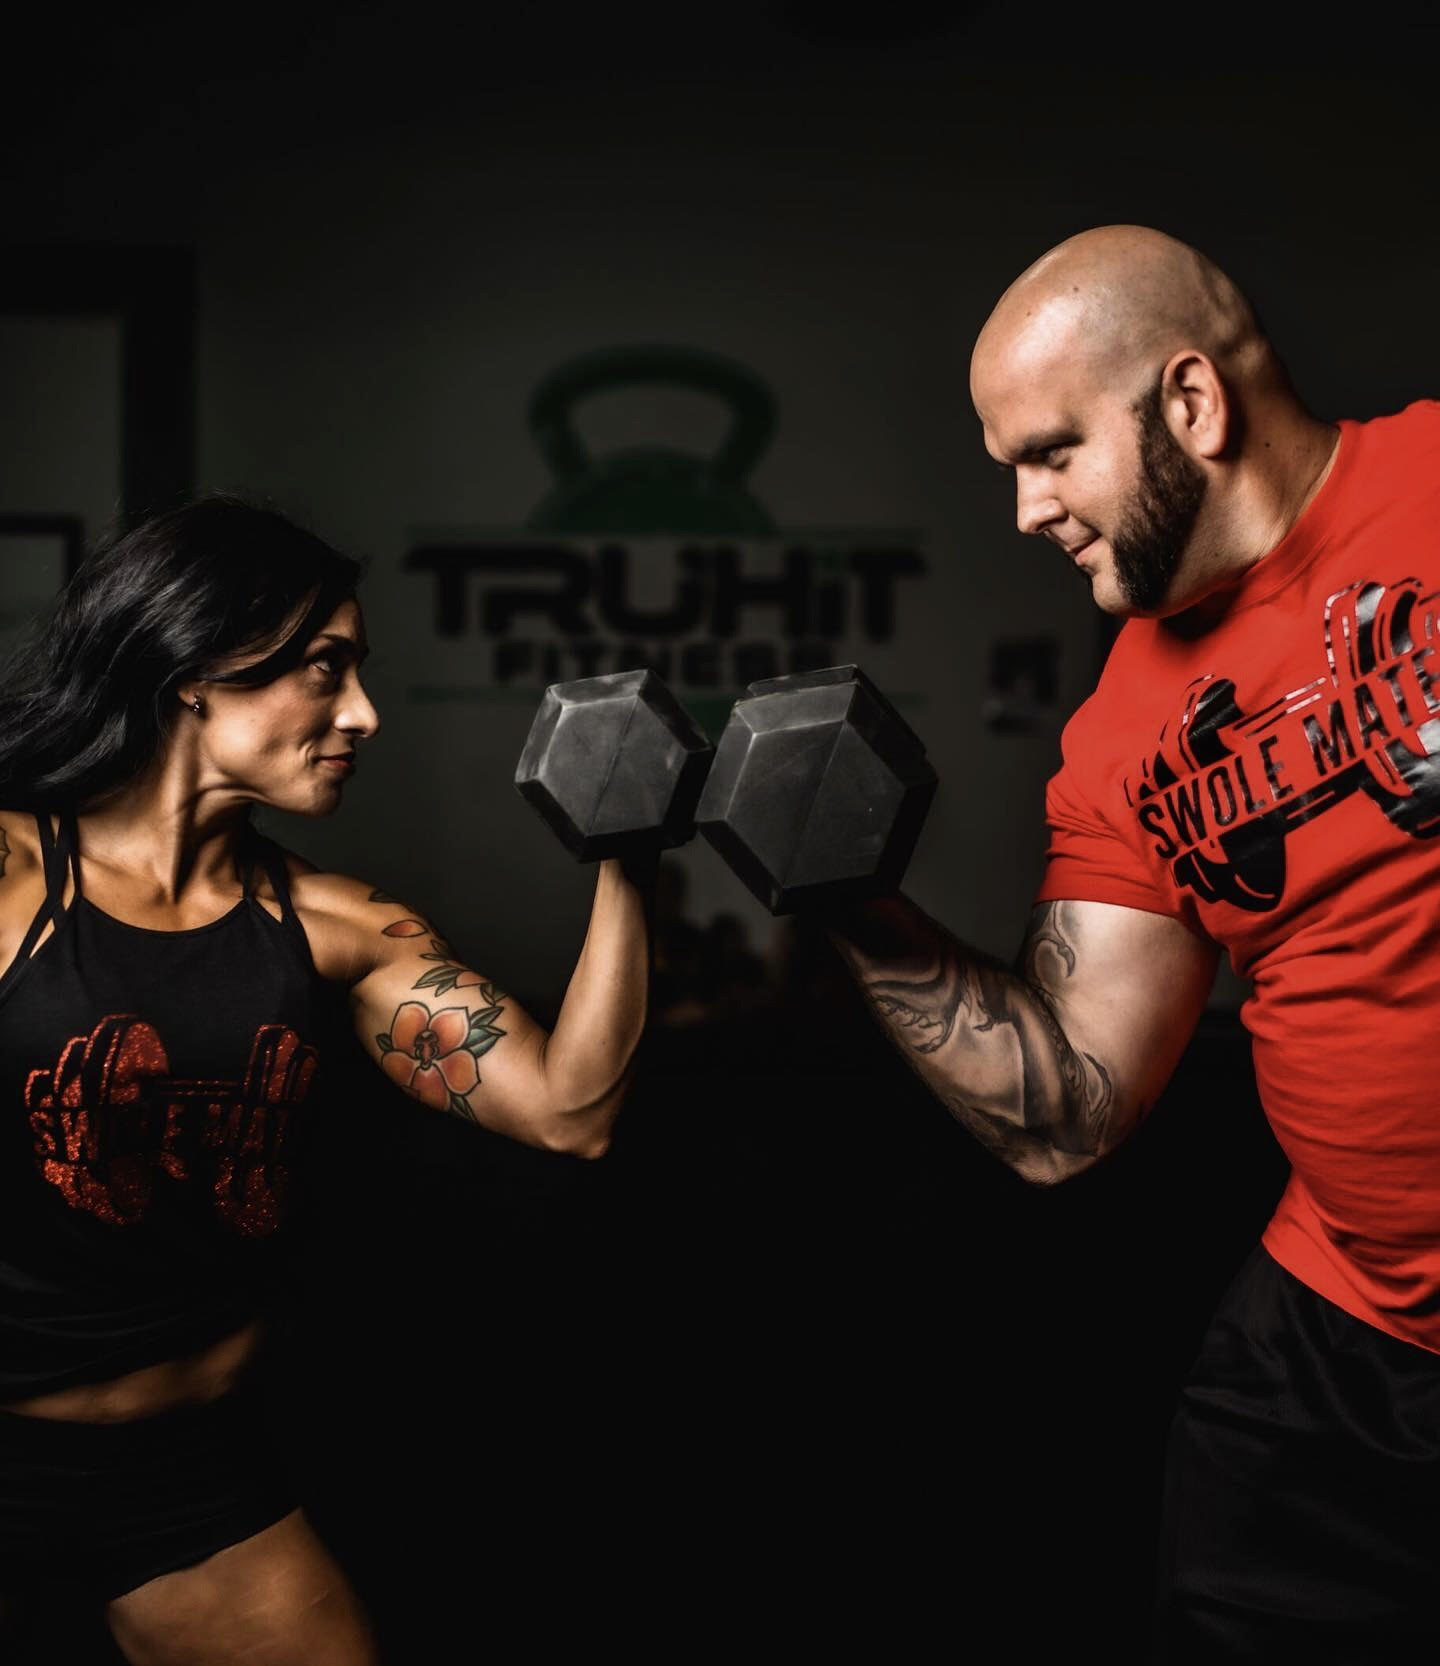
(433, 1055)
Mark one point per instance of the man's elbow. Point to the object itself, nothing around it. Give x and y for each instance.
(1048, 1167)
(1073, 1145)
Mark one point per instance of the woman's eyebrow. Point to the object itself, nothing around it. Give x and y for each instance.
(347, 643)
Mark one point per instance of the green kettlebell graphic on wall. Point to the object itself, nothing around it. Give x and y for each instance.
(656, 489)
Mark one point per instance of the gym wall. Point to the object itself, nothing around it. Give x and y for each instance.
(797, 1318)
(402, 232)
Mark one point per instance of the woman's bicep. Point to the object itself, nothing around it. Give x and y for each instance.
(447, 1035)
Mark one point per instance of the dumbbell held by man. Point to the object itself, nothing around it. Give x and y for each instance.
(818, 790)
(614, 765)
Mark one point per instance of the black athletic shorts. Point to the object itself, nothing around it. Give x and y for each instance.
(102, 1507)
(1302, 1488)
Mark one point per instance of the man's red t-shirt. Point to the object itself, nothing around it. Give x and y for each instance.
(1274, 783)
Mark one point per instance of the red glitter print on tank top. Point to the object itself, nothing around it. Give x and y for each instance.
(111, 1125)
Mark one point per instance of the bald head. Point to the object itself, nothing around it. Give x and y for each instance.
(1122, 300)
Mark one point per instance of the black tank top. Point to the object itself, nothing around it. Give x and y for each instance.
(158, 1089)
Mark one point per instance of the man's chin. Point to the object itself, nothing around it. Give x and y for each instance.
(1112, 596)
(1107, 594)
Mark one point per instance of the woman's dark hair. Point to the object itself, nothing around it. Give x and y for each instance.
(87, 702)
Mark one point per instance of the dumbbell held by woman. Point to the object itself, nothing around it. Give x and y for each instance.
(614, 765)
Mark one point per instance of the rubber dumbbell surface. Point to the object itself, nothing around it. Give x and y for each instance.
(818, 789)
(613, 763)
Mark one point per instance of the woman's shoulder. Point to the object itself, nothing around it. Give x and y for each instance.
(22, 877)
(344, 898)
(19, 843)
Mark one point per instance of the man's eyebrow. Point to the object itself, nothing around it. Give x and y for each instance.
(1036, 445)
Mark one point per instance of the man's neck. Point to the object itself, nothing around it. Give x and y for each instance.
(1276, 481)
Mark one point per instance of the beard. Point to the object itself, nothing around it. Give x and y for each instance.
(1155, 526)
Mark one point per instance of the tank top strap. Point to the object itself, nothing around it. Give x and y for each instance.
(52, 859)
(267, 855)
(67, 851)
(59, 854)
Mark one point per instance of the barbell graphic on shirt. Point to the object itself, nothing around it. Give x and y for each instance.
(1219, 798)
(109, 1119)
(1388, 634)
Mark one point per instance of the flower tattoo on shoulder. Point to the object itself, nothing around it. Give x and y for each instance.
(447, 972)
(432, 1055)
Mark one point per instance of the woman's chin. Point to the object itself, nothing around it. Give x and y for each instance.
(322, 800)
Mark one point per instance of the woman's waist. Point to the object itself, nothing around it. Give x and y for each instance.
(192, 1379)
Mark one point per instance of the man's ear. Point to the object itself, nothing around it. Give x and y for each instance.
(1196, 404)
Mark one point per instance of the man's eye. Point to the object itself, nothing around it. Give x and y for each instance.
(1056, 457)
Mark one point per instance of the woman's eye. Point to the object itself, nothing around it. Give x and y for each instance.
(327, 666)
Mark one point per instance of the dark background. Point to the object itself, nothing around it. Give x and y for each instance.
(797, 1366)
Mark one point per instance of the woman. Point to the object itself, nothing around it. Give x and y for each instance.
(175, 986)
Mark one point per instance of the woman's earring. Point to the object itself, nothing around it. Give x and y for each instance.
(196, 707)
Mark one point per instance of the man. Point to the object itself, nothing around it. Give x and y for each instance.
(1253, 772)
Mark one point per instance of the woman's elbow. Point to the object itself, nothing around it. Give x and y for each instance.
(590, 1146)
(581, 1133)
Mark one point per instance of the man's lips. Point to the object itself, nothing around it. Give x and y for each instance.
(1077, 550)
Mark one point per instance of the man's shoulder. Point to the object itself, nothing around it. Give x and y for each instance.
(1124, 675)
(1388, 474)
(1092, 726)
(1415, 426)
(1422, 411)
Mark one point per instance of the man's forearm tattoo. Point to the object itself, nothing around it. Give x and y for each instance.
(1046, 936)
(922, 1010)
(1045, 1093)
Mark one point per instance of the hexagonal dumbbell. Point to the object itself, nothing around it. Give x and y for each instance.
(614, 764)
(818, 790)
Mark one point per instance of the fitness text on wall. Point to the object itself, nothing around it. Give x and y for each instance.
(652, 557)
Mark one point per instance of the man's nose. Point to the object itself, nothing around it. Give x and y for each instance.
(1036, 506)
